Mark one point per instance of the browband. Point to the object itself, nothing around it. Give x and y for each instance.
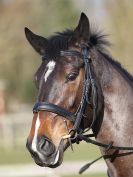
(71, 53)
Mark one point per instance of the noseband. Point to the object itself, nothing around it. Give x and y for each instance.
(89, 89)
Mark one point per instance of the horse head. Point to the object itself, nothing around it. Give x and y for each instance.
(61, 82)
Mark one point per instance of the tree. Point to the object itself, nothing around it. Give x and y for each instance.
(121, 24)
(17, 59)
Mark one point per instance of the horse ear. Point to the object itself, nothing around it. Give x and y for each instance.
(82, 31)
(38, 43)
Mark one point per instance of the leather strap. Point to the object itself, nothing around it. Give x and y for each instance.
(88, 89)
(44, 106)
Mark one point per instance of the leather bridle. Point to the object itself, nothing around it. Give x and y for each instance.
(89, 89)
(89, 96)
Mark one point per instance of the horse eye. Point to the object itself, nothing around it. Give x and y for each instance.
(72, 76)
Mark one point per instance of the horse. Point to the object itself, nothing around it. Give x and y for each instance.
(81, 87)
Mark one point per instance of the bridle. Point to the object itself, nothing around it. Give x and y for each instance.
(89, 96)
(89, 89)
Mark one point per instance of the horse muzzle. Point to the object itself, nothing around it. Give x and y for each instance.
(46, 154)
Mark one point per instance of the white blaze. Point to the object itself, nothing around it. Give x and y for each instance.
(56, 158)
(34, 141)
(50, 66)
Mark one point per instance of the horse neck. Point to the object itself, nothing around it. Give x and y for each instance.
(118, 102)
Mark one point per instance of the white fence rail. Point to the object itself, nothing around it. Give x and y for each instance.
(14, 129)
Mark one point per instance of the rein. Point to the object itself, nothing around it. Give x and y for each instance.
(76, 134)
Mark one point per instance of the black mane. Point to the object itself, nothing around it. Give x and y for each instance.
(59, 42)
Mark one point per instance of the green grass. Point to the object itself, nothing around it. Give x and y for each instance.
(15, 156)
(82, 151)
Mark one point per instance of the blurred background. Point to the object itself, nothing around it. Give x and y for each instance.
(18, 63)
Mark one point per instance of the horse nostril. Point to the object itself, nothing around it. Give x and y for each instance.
(42, 144)
(46, 146)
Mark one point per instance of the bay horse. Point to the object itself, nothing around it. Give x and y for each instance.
(80, 87)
